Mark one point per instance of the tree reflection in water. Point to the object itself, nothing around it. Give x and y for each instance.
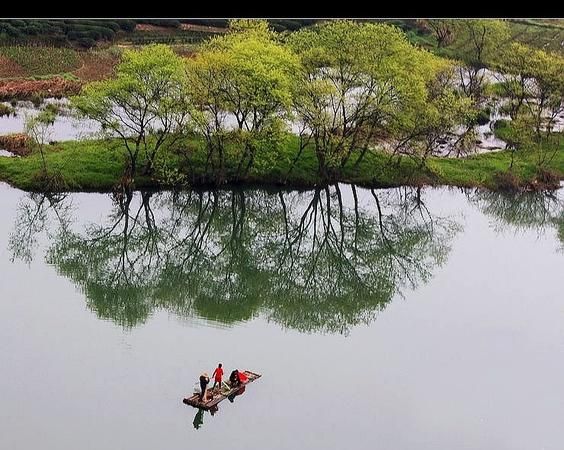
(316, 261)
(34, 218)
(523, 211)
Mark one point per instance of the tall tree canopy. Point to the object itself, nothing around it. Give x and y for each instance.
(359, 81)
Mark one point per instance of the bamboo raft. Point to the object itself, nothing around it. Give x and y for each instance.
(217, 394)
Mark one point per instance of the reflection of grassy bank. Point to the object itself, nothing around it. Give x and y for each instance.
(96, 166)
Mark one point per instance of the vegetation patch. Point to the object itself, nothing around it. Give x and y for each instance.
(6, 110)
(23, 89)
(10, 69)
(222, 115)
(98, 165)
(17, 143)
(97, 65)
(44, 61)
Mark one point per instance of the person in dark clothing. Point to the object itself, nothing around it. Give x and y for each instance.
(204, 381)
(234, 378)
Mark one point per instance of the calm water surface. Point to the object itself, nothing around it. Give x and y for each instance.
(391, 319)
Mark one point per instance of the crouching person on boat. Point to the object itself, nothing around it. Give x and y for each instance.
(237, 378)
(204, 381)
(234, 378)
(242, 377)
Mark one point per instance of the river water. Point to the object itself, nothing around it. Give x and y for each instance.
(394, 319)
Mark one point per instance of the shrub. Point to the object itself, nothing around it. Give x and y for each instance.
(546, 179)
(126, 24)
(86, 42)
(483, 116)
(6, 110)
(501, 124)
(36, 99)
(161, 22)
(506, 181)
(219, 23)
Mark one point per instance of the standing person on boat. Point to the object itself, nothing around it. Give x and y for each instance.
(217, 376)
(204, 380)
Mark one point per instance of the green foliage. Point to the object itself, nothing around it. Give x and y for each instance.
(98, 165)
(39, 128)
(351, 85)
(249, 76)
(479, 40)
(483, 116)
(361, 81)
(144, 99)
(534, 87)
(290, 25)
(538, 34)
(62, 32)
(44, 60)
(443, 29)
(477, 44)
(220, 23)
(6, 110)
(168, 170)
(170, 23)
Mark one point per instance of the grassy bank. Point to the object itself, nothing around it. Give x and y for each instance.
(96, 165)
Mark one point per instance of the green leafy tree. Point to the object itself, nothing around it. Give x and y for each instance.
(447, 117)
(245, 76)
(359, 82)
(477, 44)
(443, 29)
(143, 105)
(533, 85)
(39, 128)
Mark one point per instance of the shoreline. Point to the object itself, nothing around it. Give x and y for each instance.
(93, 166)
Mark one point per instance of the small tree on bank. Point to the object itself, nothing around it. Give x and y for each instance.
(443, 29)
(533, 84)
(143, 105)
(478, 42)
(39, 128)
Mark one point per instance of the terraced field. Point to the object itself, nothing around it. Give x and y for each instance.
(33, 61)
(547, 34)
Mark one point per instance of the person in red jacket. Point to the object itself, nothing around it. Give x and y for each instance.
(217, 376)
(242, 377)
(237, 378)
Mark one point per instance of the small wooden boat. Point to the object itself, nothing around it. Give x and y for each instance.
(219, 394)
